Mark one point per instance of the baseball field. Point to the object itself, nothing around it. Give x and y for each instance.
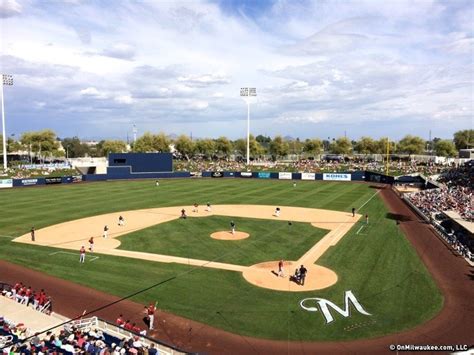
(225, 283)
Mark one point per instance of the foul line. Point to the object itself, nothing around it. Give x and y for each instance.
(6, 236)
(360, 229)
(366, 202)
(91, 258)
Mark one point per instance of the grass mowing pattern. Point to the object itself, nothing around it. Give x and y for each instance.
(378, 264)
(190, 238)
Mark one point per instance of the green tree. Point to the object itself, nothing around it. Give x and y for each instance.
(74, 148)
(279, 147)
(464, 139)
(185, 146)
(240, 146)
(148, 143)
(161, 143)
(342, 145)
(255, 147)
(113, 146)
(366, 145)
(206, 147)
(144, 144)
(313, 146)
(264, 141)
(43, 142)
(381, 146)
(223, 146)
(411, 145)
(445, 148)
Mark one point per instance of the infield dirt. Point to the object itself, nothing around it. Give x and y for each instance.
(74, 234)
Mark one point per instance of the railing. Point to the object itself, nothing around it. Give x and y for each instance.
(120, 332)
(87, 323)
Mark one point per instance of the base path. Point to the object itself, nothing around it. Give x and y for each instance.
(74, 234)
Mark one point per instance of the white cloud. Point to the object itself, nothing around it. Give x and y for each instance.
(119, 51)
(9, 8)
(93, 92)
(317, 63)
(124, 99)
(204, 79)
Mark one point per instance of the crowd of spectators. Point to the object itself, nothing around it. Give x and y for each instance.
(26, 295)
(454, 198)
(398, 167)
(71, 340)
(456, 193)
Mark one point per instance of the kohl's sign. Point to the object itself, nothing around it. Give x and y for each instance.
(337, 177)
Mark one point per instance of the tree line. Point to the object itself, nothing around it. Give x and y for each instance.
(47, 144)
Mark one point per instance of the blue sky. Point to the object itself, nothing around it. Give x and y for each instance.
(321, 68)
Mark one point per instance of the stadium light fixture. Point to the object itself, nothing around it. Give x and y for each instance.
(246, 94)
(6, 80)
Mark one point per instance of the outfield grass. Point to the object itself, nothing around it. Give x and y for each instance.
(378, 264)
(190, 238)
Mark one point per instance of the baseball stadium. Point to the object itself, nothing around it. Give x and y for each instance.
(236, 177)
(377, 273)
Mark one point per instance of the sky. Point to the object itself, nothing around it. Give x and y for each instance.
(322, 69)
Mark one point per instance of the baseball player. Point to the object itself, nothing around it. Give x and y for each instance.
(353, 212)
(150, 311)
(32, 234)
(232, 227)
(91, 244)
(281, 272)
(208, 207)
(195, 208)
(82, 253)
(303, 272)
(183, 214)
(106, 231)
(157, 183)
(121, 221)
(366, 219)
(277, 212)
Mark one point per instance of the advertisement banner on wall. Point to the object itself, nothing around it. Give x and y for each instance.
(77, 178)
(308, 176)
(246, 174)
(263, 175)
(28, 182)
(284, 176)
(6, 183)
(337, 177)
(217, 174)
(52, 180)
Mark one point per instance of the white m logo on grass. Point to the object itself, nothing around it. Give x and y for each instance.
(324, 305)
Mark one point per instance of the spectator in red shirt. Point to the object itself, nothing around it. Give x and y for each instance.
(128, 325)
(135, 328)
(120, 322)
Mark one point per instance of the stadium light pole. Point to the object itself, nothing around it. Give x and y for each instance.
(6, 80)
(246, 94)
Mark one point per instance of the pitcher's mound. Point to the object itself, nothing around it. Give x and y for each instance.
(265, 275)
(227, 235)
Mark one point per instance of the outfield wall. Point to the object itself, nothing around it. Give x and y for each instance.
(123, 173)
